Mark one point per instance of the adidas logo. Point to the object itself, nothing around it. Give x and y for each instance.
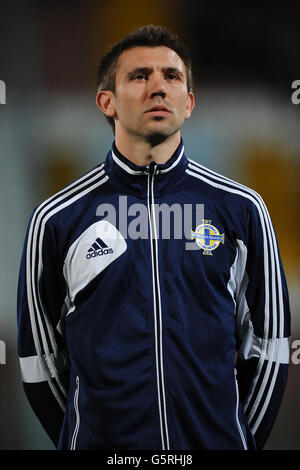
(98, 248)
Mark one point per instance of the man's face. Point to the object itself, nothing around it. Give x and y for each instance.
(151, 96)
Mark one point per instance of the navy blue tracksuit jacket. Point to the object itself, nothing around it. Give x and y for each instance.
(144, 324)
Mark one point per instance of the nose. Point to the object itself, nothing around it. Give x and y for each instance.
(160, 93)
(157, 86)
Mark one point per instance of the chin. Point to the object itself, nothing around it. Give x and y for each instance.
(159, 135)
(156, 138)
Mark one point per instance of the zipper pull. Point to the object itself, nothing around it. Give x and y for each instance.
(152, 168)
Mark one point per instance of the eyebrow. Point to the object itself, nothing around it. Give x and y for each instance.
(147, 71)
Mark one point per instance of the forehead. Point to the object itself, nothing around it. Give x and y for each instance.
(151, 57)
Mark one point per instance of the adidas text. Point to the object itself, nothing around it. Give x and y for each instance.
(105, 251)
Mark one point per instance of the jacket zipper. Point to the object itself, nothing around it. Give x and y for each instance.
(157, 311)
(77, 415)
(237, 411)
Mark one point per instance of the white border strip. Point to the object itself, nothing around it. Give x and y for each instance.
(77, 415)
(165, 446)
(160, 317)
(173, 164)
(126, 167)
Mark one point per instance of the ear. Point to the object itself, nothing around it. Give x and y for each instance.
(105, 101)
(189, 105)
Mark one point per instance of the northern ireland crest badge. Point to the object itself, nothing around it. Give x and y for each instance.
(207, 237)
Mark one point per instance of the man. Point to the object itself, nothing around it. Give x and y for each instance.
(173, 340)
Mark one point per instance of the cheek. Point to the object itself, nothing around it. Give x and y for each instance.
(183, 108)
(180, 98)
(127, 106)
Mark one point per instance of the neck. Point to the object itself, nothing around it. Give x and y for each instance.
(142, 152)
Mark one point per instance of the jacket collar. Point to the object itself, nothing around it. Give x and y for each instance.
(134, 177)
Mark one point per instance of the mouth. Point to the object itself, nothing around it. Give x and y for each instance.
(158, 110)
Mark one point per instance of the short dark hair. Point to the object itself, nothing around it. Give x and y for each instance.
(149, 36)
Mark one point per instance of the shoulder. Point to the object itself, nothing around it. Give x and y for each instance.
(69, 200)
(72, 193)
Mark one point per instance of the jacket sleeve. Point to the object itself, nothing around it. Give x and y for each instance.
(262, 324)
(41, 348)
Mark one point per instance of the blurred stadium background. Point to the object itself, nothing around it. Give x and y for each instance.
(246, 56)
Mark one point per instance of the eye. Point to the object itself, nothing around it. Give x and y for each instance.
(139, 76)
(171, 76)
